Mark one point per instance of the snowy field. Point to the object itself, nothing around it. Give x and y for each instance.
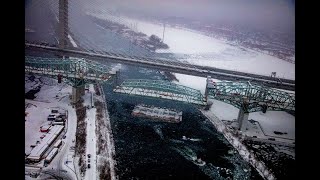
(39, 108)
(195, 82)
(196, 48)
(51, 95)
(270, 121)
(91, 135)
(37, 116)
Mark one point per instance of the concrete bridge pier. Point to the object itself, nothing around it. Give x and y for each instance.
(77, 93)
(206, 90)
(243, 115)
(63, 28)
(116, 76)
(243, 120)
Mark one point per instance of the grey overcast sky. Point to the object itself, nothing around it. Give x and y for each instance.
(260, 13)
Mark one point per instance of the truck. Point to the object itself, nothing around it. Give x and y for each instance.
(57, 123)
(51, 155)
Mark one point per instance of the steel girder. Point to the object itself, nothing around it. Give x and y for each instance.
(78, 72)
(257, 97)
(165, 89)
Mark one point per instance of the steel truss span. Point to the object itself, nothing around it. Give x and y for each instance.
(161, 89)
(251, 97)
(76, 71)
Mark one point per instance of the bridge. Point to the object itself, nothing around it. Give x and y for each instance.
(168, 65)
(242, 95)
(76, 72)
(65, 14)
(161, 89)
(249, 98)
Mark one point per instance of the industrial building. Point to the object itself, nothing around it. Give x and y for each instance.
(38, 151)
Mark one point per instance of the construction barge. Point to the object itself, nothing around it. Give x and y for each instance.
(157, 113)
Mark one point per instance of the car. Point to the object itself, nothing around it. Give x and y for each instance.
(34, 174)
(64, 136)
(89, 155)
(88, 166)
(88, 160)
(54, 111)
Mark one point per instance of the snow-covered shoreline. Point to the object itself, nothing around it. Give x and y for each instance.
(236, 143)
(106, 132)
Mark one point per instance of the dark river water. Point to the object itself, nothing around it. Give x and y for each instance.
(146, 149)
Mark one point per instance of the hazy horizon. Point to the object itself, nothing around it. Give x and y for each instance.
(279, 14)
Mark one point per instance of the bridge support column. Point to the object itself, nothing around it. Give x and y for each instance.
(116, 76)
(63, 24)
(77, 92)
(243, 115)
(206, 90)
(243, 120)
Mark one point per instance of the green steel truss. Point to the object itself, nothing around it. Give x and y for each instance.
(257, 97)
(77, 72)
(161, 89)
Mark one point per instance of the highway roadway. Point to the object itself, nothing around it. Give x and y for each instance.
(164, 65)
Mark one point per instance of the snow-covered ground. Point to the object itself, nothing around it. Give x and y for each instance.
(196, 48)
(276, 121)
(57, 95)
(51, 95)
(195, 82)
(91, 135)
(37, 116)
(39, 108)
(270, 121)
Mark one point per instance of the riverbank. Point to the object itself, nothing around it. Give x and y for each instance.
(237, 144)
(105, 144)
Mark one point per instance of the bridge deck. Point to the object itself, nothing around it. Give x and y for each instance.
(158, 94)
(76, 71)
(64, 74)
(257, 97)
(161, 89)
